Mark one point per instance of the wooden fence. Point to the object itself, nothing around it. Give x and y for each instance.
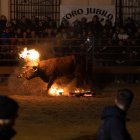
(100, 55)
(98, 70)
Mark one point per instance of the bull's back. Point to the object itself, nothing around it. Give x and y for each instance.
(66, 64)
(60, 65)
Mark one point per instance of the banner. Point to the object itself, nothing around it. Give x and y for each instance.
(72, 13)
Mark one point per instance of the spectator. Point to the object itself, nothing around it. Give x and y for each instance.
(14, 24)
(122, 35)
(130, 26)
(3, 21)
(118, 23)
(8, 114)
(40, 29)
(108, 24)
(77, 27)
(47, 20)
(23, 23)
(34, 37)
(18, 33)
(113, 125)
(5, 39)
(64, 24)
(84, 26)
(95, 26)
(137, 36)
(34, 22)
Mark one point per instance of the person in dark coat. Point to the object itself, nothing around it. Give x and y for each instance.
(8, 114)
(113, 126)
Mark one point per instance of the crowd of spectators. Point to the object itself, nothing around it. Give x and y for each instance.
(106, 35)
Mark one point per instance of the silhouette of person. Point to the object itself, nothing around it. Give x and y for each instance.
(8, 114)
(113, 125)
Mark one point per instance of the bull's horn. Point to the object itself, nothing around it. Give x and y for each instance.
(20, 76)
(35, 68)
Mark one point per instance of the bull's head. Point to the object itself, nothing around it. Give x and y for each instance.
(29, 72)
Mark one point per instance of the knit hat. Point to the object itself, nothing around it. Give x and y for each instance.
(8, 107)
(125, 97)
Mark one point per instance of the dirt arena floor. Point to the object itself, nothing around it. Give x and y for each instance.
(68, 118)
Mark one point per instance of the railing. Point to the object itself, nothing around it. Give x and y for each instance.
(117, 55)
(102, 59)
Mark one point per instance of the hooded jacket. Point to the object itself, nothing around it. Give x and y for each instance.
(113, 125)
(6, 133)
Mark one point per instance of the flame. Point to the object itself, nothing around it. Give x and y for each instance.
(56, 91)
(81, 92)
(31, 57)
(78, 90)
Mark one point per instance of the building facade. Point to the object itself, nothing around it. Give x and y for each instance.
(10, 7)
(14, 9)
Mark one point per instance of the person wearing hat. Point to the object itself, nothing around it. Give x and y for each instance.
(8, 114)
(113, 125)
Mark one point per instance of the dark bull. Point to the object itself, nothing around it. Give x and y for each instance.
(49, 70)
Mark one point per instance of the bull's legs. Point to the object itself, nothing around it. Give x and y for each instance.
(51, 80)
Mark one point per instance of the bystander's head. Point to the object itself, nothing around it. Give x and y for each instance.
(8, 114)
(124, 99)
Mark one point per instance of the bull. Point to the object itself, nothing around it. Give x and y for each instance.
(49, 70)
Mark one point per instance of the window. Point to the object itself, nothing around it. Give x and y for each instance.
(39, 8)
(128, 8)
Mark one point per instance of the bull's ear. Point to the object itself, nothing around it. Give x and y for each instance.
(35, 68)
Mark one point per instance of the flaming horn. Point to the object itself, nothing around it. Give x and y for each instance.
(31, 57)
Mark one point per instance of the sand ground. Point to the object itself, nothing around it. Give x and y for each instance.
(68, 118)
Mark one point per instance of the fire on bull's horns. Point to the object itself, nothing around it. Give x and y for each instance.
(31, 57)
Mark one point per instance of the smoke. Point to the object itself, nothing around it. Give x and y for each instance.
(22, 86)
(37, 87)
(45, 49)
(66, 83)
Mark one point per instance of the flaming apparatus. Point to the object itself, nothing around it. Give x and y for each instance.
(56, 91)
(31, 57)
(77, 90)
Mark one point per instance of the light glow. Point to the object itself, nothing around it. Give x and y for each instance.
(31, 57)
(56, 91)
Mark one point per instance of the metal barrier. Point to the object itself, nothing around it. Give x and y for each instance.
(49, 9)
(101, 59)
(97, 70)
(7, 70)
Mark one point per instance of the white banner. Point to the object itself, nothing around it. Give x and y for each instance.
(72, 13)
